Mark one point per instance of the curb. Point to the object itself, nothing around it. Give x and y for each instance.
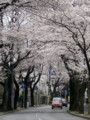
(79, 115)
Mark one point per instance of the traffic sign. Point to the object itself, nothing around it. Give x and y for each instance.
(53, 73)
(36, 88)
(23, 86)
(65, 92)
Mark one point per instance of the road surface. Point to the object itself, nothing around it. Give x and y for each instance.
(41, 113)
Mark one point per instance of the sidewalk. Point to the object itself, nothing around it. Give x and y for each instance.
(87, 116)
(4, 113)
(18, 109)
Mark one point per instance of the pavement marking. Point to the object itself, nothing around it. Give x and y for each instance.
(38, 117)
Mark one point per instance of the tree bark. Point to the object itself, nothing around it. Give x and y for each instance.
(89, 96)
(5, 97)
(26, 93)
(16, 94)
(74, 96)
(81, 97)
(81, 103)
(11, 90)
(32, 97)
(88, 66)
(9, 93)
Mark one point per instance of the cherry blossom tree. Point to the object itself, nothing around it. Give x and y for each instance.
(8, 65)
(78, 83)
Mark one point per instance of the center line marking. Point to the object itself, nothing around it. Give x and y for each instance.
(38, 117)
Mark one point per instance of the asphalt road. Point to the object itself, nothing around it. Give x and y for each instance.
(41, 113)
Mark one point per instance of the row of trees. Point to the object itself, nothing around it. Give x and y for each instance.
(73, 29)
(15, 58)
(10, 84)
(77, 63)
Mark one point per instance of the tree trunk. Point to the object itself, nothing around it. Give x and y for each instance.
(32, 97)
(89, 96)
(88, 66)
(5, 97)
(9, 93)
(74, 95)
(26, 93)
(54, 92)
(81, 97)
(16, 94)
(16, 99)
(81, 103)
(51, 97)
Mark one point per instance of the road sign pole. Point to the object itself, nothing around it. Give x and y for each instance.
(65, 92)
(23, 87)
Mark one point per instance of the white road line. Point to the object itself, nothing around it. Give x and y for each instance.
(38, 117)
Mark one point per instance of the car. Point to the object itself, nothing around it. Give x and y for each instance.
(57, 103)
(64, 101)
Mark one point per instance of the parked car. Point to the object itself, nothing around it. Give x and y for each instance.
(57, 103)
(64, 102)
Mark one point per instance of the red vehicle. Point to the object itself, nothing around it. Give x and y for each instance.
(57, 103)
